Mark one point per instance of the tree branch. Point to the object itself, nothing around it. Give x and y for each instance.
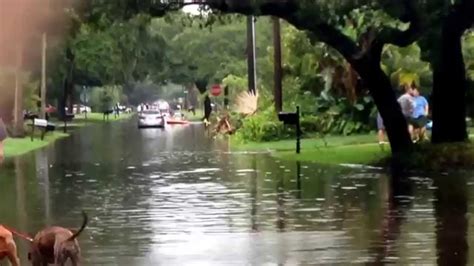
(464, 11)
(406, 37)
(291, 11)
(330, 35)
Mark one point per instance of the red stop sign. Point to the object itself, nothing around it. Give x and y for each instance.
(216, 90)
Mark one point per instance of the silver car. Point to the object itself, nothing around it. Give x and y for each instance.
(151, 118)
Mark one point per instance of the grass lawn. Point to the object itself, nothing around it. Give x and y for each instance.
(194, 117)
(357, 149)
(15, 147)
(81, 121)
(347, 154)
(99, 117)
(308, 143)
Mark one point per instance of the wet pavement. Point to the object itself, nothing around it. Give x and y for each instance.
(177, 197)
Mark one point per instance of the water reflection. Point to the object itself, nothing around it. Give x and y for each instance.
(399, 199)
(451, 220)
(298, 179)
(254, 195)
(176, 197)
(42, 173)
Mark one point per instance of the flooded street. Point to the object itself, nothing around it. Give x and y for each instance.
(176, 197)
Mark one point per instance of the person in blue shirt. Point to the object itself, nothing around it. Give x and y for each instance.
(419, 114)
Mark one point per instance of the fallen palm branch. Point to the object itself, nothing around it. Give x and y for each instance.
(246, 105)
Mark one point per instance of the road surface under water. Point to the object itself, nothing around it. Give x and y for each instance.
(176, 197)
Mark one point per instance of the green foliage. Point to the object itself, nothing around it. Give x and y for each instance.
(404, 65)
(210, 54)
(340, 116)
(103, 98)
(118, 53)
(97, 55)
(333, 116)
(468, 52)
(263, 127)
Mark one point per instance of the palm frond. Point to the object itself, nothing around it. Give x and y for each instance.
(246, 103)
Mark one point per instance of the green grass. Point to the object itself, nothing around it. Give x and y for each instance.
(362, 149)
(194, 117)
(99, 117)
(81, 121)
(15, 147)
(357, 149)
(307, 143)
(346, 154)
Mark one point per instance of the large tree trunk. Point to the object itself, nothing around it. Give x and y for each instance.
(450, 85)
(385, 99)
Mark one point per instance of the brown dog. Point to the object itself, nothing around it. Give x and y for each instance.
(55, 245)
(8, 247)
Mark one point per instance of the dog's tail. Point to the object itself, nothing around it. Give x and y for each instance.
(21, 235)
(83, 226)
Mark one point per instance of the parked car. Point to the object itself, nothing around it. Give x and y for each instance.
(151, 118)
(82, 109)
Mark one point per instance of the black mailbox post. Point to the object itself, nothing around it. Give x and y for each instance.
(293, 119)
(67, 118)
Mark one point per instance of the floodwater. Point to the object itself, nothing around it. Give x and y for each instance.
(176, 197)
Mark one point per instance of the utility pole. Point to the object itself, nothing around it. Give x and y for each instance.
(44, 47)
(278, 73)
(251, 55)
(18, 128)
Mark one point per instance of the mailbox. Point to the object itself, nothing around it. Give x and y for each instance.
(42, 124)
(288, 118)
(50, 127)
(292, 119)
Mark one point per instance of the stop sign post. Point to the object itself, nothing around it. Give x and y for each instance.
(216, 90)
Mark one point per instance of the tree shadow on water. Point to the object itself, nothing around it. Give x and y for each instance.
(450, 210)
(451, 221)
(399, 201)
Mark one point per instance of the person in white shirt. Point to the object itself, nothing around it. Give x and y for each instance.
(406, 102)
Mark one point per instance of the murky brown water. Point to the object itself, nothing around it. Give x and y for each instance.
(175, 197)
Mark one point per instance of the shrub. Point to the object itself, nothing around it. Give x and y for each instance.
(263, 126)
